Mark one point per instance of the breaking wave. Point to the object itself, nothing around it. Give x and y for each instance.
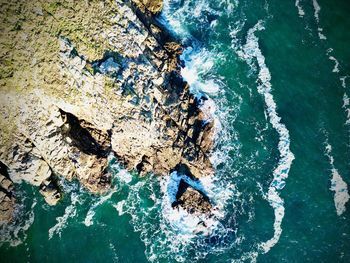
(174, 234)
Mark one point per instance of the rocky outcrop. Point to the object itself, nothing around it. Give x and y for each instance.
(79, 81)
(7, 199)
(191, 199)
(153, 6)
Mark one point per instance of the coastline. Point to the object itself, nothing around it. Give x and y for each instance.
(86, 103)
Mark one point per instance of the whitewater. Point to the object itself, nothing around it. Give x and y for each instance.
(273, 76)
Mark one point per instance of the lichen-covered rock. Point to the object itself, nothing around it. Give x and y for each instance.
(81, 80)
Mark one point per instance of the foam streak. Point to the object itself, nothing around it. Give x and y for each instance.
(300, 9)
(338, 186)
(252, 53)
(69, 212)
(91, 213)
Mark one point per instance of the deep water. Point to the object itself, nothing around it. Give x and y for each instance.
(276, 73)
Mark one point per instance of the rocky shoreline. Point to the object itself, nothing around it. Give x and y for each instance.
(82, 81)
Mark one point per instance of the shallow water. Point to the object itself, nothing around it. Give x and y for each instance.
(276, 73)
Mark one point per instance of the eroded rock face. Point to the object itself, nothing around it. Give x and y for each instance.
(153, 6)
(191, 199)
(7, 199)
(77, 86)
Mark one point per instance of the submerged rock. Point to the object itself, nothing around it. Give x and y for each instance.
(77, 86)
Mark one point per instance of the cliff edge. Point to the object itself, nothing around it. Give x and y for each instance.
(80, 80)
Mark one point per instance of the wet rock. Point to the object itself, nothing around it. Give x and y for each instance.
(91, 85)
(7, 200)
(153, 6)
(50, 190)
(192, 200)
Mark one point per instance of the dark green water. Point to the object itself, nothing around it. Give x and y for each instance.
(276, 200)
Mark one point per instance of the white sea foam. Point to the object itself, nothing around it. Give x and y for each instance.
(317, 10)
(15, 233)
(346, 100)
(346, 104)
(121, 174)
(170, 234)
(69, 212)
(174, 234)
(338, 185)
(176, 14)
(188, 224)
(119, 207)
(228, 5)
(235, 41)
(199, 62)
(341, 195)
(88, 221)
(252, 53)
(115, 253)
(321, 35)
(336, 64)
(342, 79)
(300, 9)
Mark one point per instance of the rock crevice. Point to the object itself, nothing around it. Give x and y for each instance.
(94, 85)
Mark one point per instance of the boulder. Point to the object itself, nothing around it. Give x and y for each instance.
(153, 6)
(192, 200)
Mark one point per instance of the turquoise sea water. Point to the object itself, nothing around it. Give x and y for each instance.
(276, 73)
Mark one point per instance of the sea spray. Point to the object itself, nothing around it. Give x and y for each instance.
(169, 233)
(252, 54)
(199, 72)
(198, 63)
(178, 16)
(186, 223)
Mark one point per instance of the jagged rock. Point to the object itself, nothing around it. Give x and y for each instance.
(50, 190)
(76, 86)
(7, 200)
(153, 6)
(191, 199)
